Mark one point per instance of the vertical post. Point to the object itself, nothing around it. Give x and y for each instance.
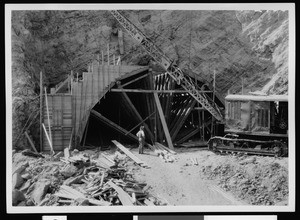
(114, 59)
(108, 54)
(214, 85)
(212, 118)
(242, 85)
(50, 143)
(163, 121)
(71, 82)
(119, 116)
(102, 57)
(98, 59)
(77, 76)
(198, 112)
(50, 135)
(41, 111)
(62, 119)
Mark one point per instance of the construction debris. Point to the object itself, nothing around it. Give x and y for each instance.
(194, 161)
(129, 154)
(164, 153)
(28, 152)
(93, 178)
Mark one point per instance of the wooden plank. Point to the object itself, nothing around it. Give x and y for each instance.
(134, 70)
(85, 134)
(151, 82)
(50, 143)
(30, 141)
(134, 80)
(163, 121)
(47, 107)
(165, 148)
(62, 84)
(122, 195)
(108, 63)
(127, 152)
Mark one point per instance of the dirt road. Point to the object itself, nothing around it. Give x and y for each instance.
(180, 182)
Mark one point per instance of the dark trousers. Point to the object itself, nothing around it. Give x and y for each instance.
(141, 146)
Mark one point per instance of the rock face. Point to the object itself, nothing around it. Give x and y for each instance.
(236, 45)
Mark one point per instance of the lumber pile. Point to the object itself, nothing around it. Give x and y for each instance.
(102, 181)
(164, 153)
(85, 178)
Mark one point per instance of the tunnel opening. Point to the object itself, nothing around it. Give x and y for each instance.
(130, 103)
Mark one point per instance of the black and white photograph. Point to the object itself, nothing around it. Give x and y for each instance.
(150, 107)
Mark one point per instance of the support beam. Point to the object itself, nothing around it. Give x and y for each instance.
(163, 121)
(141, 122)
(181, 120)
(116, 127)
(49, 125)
(50, 143)
(61, 85)
(41, 110)
(134, 72)
(30, 141)
(186, 137)
(113, 125)
(134, 80)
(152, 90)
(86, 131)
(136, 113)
(181, 107)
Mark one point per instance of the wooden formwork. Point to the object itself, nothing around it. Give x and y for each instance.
(71, 111)
(60, 114)
(170, 115)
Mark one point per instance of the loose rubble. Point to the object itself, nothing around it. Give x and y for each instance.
(256, 179)
(86, 178)
(164, 153)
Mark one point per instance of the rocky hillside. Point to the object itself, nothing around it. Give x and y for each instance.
(235, 44)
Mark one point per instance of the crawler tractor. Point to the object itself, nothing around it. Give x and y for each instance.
(254, 125)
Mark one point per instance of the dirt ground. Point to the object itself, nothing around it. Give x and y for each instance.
(217, 179)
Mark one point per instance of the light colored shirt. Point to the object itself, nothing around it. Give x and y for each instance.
(141, 134)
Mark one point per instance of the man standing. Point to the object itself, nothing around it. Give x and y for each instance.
(141, 137)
